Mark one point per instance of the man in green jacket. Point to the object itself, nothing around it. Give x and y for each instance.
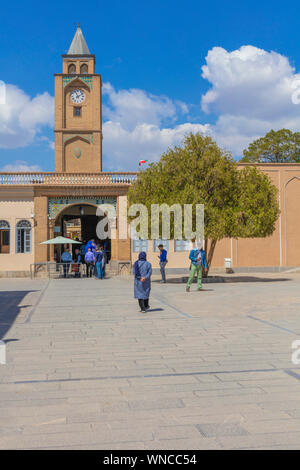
(198, 261)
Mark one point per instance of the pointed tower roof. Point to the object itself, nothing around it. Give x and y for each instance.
(78, 45)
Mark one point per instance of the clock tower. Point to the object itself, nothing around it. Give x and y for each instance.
(78, 114)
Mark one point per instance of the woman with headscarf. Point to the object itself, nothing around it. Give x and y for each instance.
(142, 271)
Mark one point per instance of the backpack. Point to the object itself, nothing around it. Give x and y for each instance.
(200, 260)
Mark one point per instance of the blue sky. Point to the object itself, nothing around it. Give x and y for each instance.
(150, 55)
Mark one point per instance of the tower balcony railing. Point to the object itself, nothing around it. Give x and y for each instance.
(67, 179)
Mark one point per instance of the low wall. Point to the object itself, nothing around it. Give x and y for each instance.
(14, 274)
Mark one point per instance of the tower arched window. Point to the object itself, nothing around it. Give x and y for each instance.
(24, 231)
(4, 236)
(72, 68)
(84, 68)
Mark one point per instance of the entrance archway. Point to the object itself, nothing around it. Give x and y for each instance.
(79, 222)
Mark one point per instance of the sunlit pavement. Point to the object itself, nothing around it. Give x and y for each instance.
(200, 370)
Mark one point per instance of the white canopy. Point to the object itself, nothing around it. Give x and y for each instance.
(59, 241)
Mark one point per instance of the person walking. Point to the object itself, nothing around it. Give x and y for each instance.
(98, 259)
(142, 271)
(82, 252)
(77, 261)
(66, 259)
(103, 261)
(90, 262)
(198, 262)
(162, 262)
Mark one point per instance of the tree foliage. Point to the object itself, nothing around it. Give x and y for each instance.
(281, 146)
(237, 203)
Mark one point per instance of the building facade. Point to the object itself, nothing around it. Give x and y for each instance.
(35, 207)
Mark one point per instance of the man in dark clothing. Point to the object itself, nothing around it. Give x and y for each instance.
(66, 259)
(99, 259)
(162, 262)
(90, 262)
(77, 261)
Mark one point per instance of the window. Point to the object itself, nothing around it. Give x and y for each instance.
(165, 243)
(84, 68)
(182, 245)
(23, 236)
(77, 111)
(4, 236)
(72, 68)
(140, 245)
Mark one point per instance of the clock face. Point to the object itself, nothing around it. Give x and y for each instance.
(77, 96)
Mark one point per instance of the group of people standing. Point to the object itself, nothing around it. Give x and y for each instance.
(91, 255)
(142, 271)
(94, 257)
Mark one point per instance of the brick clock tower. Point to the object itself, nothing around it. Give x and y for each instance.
(78, 119)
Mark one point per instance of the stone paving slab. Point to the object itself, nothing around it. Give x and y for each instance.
(211, 370)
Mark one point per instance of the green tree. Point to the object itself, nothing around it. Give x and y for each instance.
(237, 203)
(281, 146)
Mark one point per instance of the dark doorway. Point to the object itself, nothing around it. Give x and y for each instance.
(83, 227)
(88, 226)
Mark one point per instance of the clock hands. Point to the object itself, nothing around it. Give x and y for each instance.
(77, 96)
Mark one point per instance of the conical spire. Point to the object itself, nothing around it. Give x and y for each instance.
(78, 45)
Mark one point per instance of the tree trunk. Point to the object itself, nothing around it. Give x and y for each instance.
(210, 254)
(205, 245)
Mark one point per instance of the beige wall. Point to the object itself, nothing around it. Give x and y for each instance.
(179, 259)
(292, 222)
(13, 209)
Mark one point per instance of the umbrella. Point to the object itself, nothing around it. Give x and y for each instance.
(59, 241)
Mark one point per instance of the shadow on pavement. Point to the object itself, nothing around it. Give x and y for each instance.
(223, 279)
(10, 309)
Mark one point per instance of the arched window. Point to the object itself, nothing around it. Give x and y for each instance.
(24, 236)
(84, 68)
(72, 68)
(4, 236)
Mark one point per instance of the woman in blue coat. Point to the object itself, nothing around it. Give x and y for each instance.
(142, 271)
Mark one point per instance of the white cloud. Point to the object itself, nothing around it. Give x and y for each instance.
(136, 127)
(21, 166)
(50, 143)
(123, 148)
(134, 107)
(22, 117)
(251, 93)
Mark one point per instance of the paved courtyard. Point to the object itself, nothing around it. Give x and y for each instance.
(201, 370)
